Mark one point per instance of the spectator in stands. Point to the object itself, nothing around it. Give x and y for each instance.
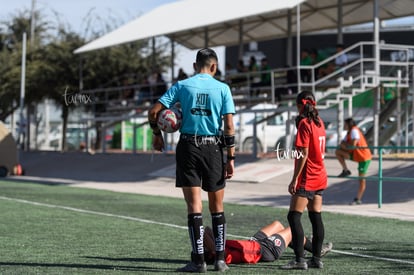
(388, 93)
(342, 59)
(240, 76)
(218, 74)
(229, 72)
(158, 86)
(291, 80)
(265, 77)
(228, 69)
(181, 75)
(253, 69)
(144, 93)
(241, 68)
(305, 60)
(317, 57)
(288, 85)
(128, 93)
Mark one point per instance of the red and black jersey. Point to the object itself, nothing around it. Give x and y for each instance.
(242, 251)
(313, 176)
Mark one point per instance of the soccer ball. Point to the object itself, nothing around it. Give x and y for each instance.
(169, 120)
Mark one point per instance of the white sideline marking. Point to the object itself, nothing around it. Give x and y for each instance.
(178, 226)
(371, 257)
(102, 214)
(91, 212)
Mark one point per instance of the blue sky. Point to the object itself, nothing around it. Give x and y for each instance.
(74, 12)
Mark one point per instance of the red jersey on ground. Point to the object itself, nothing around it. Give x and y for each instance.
(313, 176)
(242, 251)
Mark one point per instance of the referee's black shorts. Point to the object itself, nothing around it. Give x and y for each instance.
(200, 163)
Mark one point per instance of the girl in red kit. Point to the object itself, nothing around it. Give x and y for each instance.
(308, 182)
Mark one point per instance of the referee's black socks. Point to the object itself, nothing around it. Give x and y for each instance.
(219, 230)
(196, 232)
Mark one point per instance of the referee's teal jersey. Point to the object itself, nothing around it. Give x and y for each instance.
(204, 100)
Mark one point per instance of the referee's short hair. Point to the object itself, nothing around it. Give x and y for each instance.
(204, 57)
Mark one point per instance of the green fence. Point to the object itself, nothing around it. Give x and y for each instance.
(123, 137)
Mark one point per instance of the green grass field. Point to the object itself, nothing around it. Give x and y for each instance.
(57, 229)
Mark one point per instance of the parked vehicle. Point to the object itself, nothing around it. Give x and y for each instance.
(406, 135)
(270, 127)
(75, 136)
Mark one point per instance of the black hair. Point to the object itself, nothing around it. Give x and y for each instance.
(350, 122)
(205, 56)
(309, 111)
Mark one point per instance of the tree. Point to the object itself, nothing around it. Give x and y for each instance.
(10, 57)
(53, 71)
(60, 71)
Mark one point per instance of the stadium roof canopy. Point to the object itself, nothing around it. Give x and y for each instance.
(196, 24)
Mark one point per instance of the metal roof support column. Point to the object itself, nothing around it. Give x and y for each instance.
(399, 112)
(22, 96)
(153, 51)
(341, 119)
(377, 105)
(412, 104)
(172, 59)
(340, 38)
(298, 45)
(289, 56)
(241, 50)
(206, 37)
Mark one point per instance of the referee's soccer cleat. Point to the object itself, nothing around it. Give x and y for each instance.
(345, 173)
(326, 248)
(220, 266)
(192, 267)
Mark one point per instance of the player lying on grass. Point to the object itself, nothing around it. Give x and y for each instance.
(267, 245)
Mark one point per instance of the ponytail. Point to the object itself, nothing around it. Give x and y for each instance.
(308, 110)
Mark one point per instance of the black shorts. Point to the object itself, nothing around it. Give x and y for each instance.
(272, 247)
(310, 195)
(200, 163)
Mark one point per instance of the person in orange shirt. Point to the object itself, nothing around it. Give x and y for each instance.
(352, 147)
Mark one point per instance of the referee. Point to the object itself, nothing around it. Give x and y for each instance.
(206, 105)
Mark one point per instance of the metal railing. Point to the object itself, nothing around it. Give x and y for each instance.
(126, 102)
(359, 71)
